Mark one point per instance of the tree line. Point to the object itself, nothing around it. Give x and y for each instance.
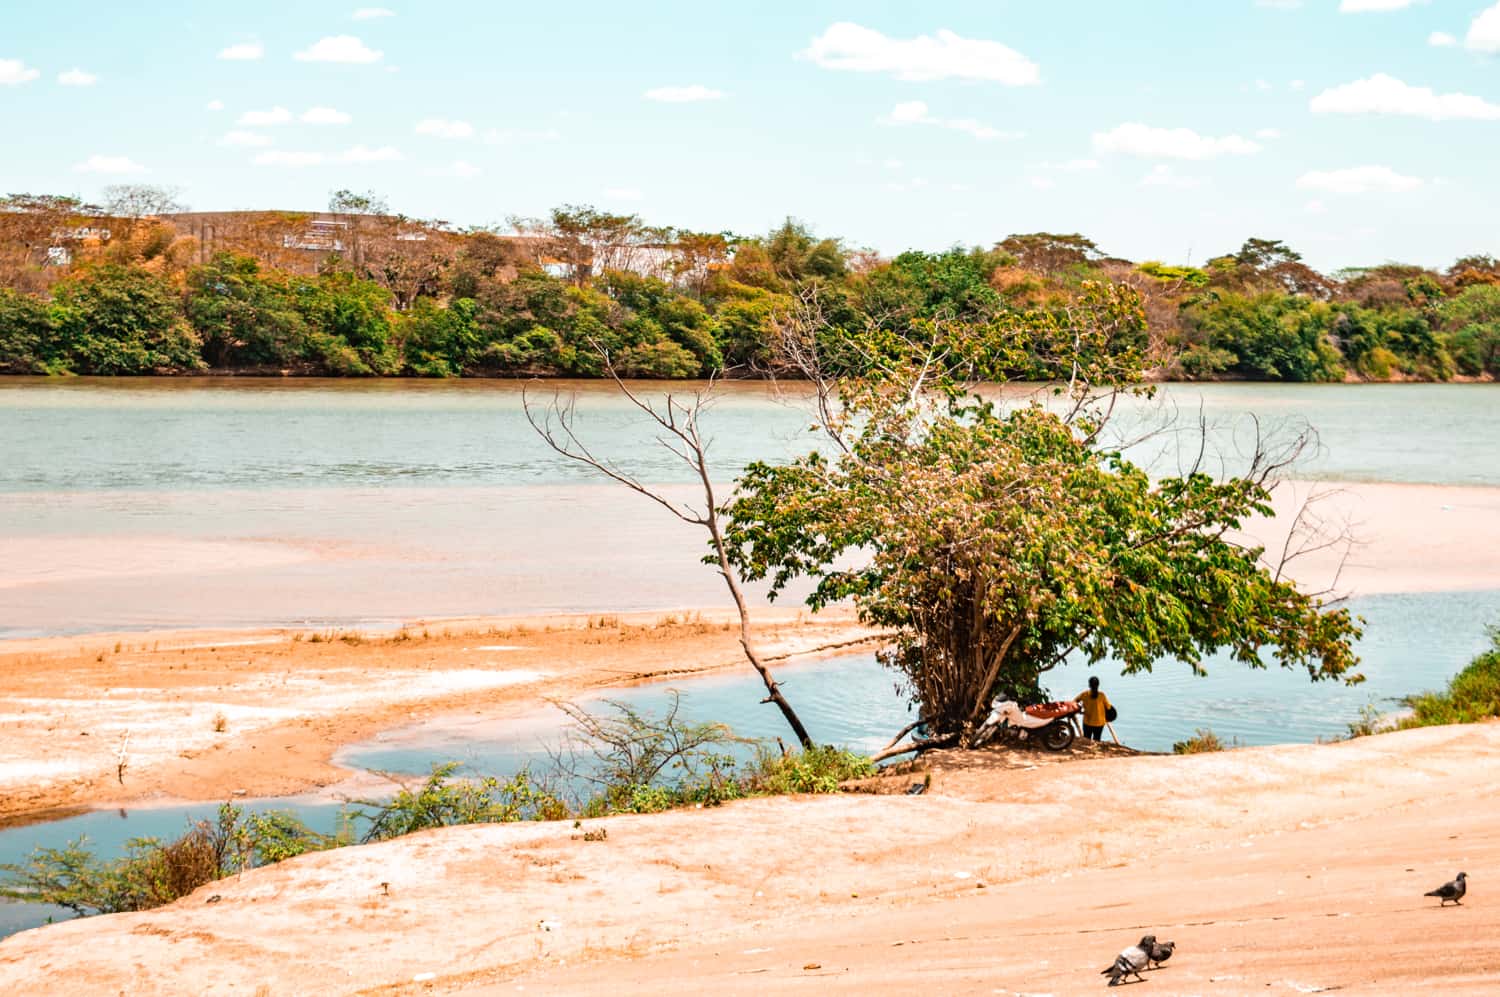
(129, 288)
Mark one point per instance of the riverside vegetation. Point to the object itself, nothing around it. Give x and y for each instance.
(131, 288)
(622, 761)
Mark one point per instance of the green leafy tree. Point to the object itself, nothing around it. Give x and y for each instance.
(27, 339)
(994, 543)
(244, 316)
(349, 324)
(122, 320)
(1273, 336)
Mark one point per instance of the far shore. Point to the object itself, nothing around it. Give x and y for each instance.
(287, 700)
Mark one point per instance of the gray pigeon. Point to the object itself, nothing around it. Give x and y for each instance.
(1450, 891)
(1161, 952)
(1130, 962)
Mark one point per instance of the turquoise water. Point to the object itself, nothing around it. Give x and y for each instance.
(1412, 643)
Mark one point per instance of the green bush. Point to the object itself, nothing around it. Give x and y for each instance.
(121, 320)
(153, 872)
(442, 801)
(817, 770)
(1202, 741)
(1472, 695)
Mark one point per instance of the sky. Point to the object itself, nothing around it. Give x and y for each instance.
(1358, 131)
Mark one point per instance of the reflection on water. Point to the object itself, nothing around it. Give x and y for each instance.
(1412, 643)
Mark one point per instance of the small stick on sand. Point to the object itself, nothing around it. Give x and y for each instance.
(120, 762)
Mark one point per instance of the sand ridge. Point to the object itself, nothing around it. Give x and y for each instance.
(1291, 869)
(261, 713)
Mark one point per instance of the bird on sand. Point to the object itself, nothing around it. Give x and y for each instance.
(1130, 962)
(1454, 890)
(1162, 951)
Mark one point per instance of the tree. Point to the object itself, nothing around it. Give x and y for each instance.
(135, 201)
(122, 320)
(994, 543)
(244, 317)
(1049, 252)
(676, 417)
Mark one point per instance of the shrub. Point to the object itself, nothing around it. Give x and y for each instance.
(153, 872)
(1203, 740)
(1472, 695)
(443, 801)
(817, 770)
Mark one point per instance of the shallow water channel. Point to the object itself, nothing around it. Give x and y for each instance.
(1412, 643)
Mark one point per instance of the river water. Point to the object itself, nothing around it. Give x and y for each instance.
(198, 502)
(187, 502)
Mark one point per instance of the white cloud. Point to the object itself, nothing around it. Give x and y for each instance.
(76, 77)
(915, 112)
(1484, 31)
(109, 164)
(1382, 94)
(684, 95)
(244, 139)
(1165, 176)
(1297, 84)
(14, 71)
(623, 194)
(1135, 139)
(1369, 6)
(1269, 134)
(260, 119)
(444, 128)
(278, 157)
(1279, 4)
(1441, 39)
(1079, 165)
(364, 154)
(338, 48)
(372, 13)
(243, 52)
(1358, 180)
(1262, 85)
(1315, 207)
(214, 105)
(947, 56)
(325, 116)
(459, 169)
(1043, 183)
(509, 136)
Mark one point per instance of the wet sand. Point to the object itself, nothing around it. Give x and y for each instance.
(203, 715)
(366, 557)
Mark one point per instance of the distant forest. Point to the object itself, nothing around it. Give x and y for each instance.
(138, 285)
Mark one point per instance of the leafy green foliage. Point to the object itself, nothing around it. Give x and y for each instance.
(1472, 695)
(442, 801)
(121, 320)
(153, 872)
(1202, 741)
(993, 542)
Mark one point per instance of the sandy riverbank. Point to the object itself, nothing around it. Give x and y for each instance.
(1295, 869)
(287, 701)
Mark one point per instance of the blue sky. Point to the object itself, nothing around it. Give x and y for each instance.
(1357, 130)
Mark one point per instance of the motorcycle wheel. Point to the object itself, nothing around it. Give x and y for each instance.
(1058, 736)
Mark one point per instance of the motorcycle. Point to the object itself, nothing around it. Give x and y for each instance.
(1053, 724)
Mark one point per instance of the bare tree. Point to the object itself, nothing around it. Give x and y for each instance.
(680, 432)
(142, 200)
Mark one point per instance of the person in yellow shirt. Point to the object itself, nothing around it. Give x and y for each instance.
(1096, 709)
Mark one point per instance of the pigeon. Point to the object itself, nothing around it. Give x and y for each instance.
(1130, 962)
(1450, 891)
(1161, 952)
(917, 789)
